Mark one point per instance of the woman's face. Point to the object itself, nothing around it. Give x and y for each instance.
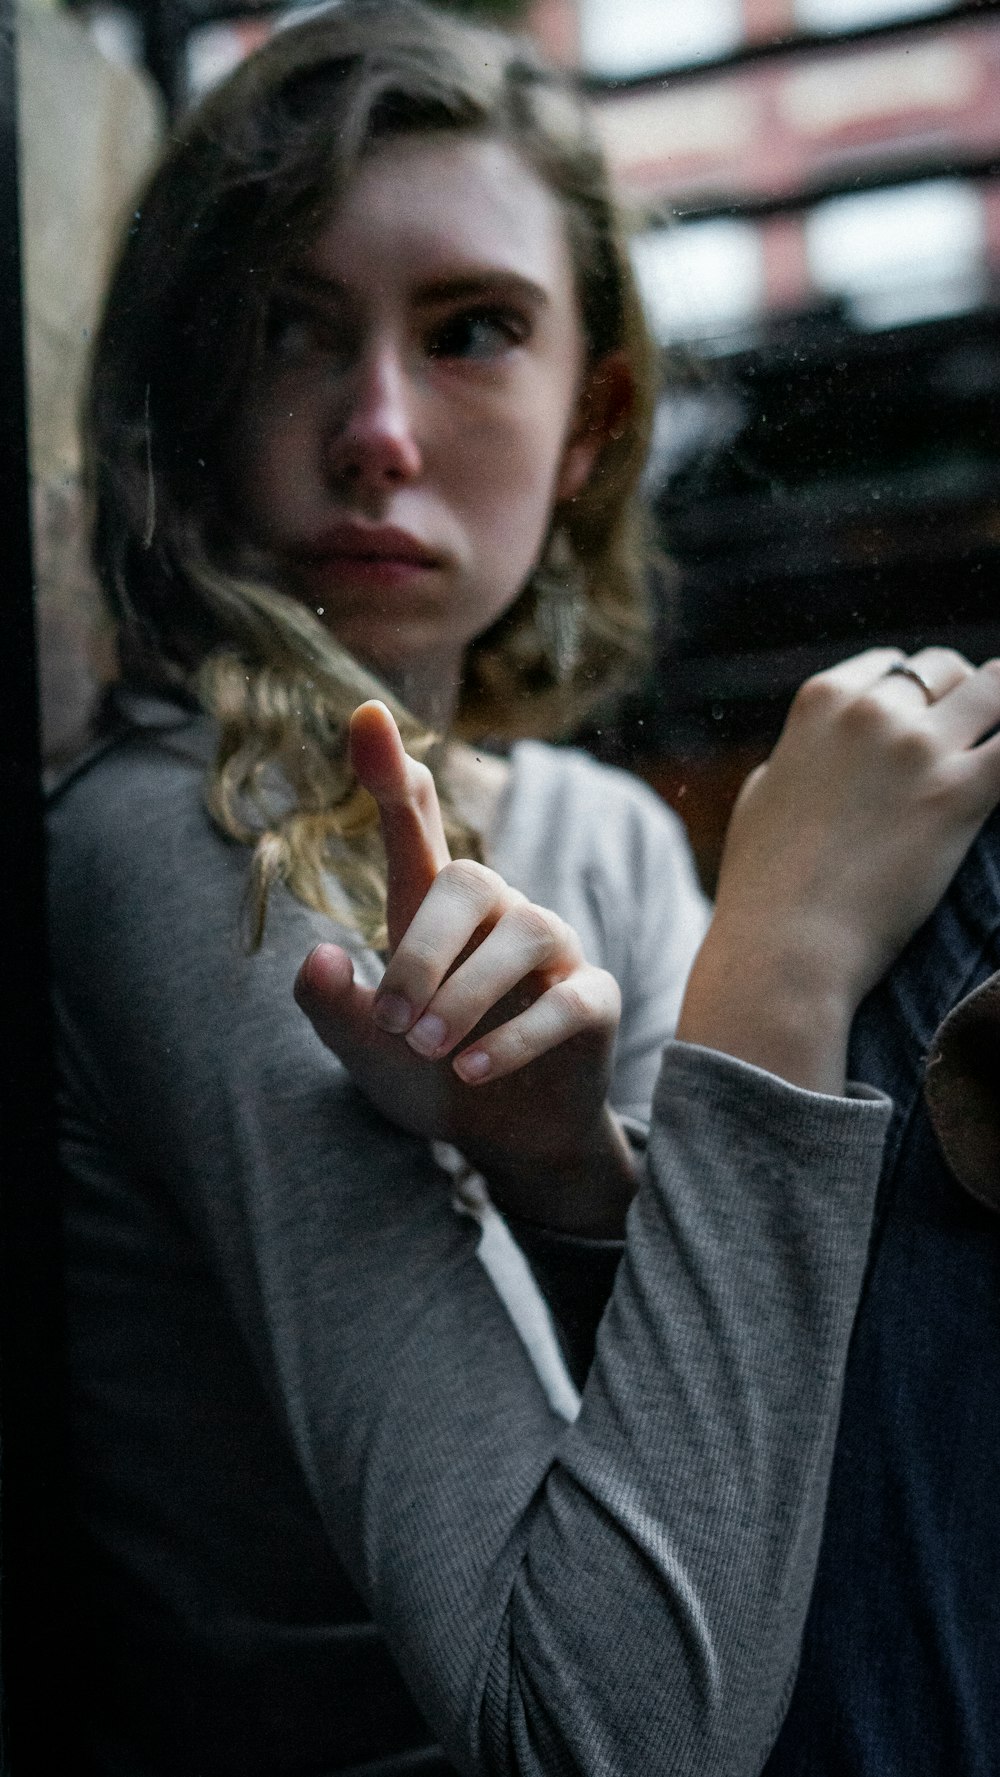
(418, 411)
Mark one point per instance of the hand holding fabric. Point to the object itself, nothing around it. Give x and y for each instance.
(839, 848)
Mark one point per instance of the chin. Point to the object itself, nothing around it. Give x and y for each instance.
(406, 648)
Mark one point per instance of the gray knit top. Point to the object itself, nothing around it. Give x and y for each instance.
(300, 1408)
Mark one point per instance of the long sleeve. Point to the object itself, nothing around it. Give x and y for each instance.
(648, 1604)
(623, 1595)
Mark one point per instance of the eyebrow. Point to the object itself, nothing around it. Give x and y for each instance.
(464, 286)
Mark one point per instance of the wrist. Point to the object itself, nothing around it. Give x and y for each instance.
(584, 1187)
(781, 1008)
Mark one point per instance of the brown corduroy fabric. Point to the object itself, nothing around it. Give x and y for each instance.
(962, 1087)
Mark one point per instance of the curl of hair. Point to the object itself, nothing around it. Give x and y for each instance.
(247, 180)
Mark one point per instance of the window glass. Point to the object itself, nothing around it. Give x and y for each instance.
(651, 34)
(845, 15)
(909, 253)
(701, 280)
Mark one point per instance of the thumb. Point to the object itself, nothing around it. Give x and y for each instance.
(338, 1009)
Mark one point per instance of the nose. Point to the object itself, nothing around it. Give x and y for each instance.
(372, 441)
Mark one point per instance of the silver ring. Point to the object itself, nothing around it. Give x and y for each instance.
(902, 670)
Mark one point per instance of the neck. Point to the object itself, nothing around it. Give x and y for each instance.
(428, 688)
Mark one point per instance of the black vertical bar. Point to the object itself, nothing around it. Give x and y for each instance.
(35, 1713)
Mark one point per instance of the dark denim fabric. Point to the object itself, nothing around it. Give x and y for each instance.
(900, 1673)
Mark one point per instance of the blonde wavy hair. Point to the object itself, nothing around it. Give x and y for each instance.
(248, 178)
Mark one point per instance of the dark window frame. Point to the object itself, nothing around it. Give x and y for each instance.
(37, 1713)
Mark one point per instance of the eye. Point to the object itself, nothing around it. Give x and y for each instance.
(298, 335)
(480, 334)
(290, 333)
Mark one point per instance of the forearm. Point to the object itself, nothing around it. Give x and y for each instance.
(656, 1571)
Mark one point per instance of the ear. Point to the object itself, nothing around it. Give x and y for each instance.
(602, 411)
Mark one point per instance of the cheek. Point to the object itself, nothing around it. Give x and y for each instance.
(506, 530)
(508, 476)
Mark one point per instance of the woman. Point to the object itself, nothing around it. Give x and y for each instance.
(369, 404)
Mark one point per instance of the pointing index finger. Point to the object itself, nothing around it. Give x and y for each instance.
(409, 812)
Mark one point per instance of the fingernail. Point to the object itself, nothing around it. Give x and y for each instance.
(473, 1065)
(302, 983)
(428, 1034)
(305, 985)
(392, 1013)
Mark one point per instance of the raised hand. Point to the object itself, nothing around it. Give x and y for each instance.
(839, 848)
(489, 1029)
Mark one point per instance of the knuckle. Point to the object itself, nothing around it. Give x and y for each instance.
(421, 780)
(537, 926)
(819, 696)
(990, 672)
(872, 717)
(600, 993)
(948, 660)
(511, 1046)
(415, 968)
(574, 1001)
(473, 880)
(866, 717)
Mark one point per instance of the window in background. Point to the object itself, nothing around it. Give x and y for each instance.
(847, 15)
(647, 35)
(701, 281)
(907, 253)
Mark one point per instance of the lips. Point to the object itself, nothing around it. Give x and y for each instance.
(352, 542)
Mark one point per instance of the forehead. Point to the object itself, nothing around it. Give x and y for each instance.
(418, 208)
